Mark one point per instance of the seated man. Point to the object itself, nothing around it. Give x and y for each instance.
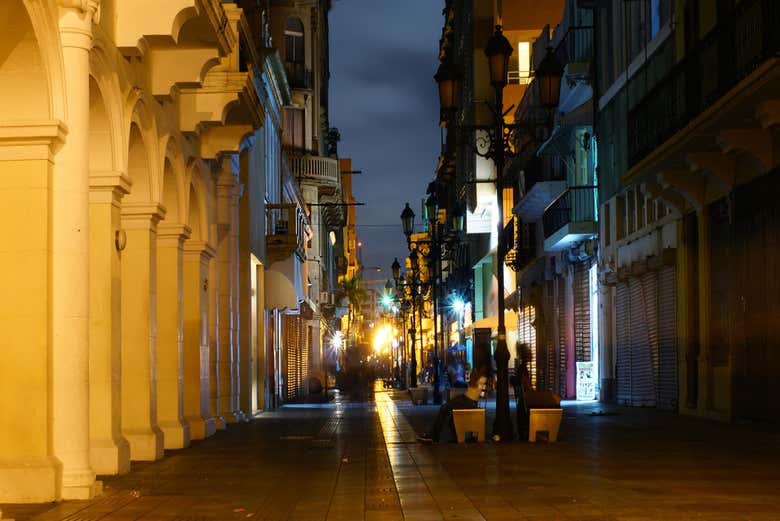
(468, 400)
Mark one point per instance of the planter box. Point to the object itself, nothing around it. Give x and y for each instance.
(469, 420)
(419, 395)
(544, 420)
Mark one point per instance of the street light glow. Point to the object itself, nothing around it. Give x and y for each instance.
(383, 336)
(337, 340)
(458, 306)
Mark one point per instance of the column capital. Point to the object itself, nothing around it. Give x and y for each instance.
(142, 215)
(89, 8)
(202, 249)
(172, 234)
(108, 187)
(30, 140)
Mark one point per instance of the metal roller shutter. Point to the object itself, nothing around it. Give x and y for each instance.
(650, 290)
(549, 333)
(667, 339)
(582, 348)
(623, 355)
(561, 347)
(642, 382)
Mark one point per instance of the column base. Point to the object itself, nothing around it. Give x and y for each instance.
(233, 417)
(81, 486)
(197, 427)
(220, 422)
(176, 434)
(109, 457)
(211, 427)
(145, 446)
(29, 480)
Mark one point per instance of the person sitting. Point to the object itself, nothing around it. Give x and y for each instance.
(468, 400)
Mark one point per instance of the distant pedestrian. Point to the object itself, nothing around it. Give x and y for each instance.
(521, 382)
(468, 400)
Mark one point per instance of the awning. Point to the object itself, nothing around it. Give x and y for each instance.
(279, 291)
(510, 321)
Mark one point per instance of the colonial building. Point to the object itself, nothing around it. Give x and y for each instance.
(552, 236)
(164, 232)
(465, 177)
(687, 140)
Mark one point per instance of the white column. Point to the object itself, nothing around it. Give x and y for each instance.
(225, 283)
(213, 288)
(70, 264)
(109, 450)
(28, 472)
(244, 366)
(196, 339)
(235, 305)
(139, 331)
(170, 327)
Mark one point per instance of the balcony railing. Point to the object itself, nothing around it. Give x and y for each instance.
(577, 204)
(543, 170)
(728, 54)
(521, 240)
(576, 46)
(323, 170)
(285, 234)
(298, 76)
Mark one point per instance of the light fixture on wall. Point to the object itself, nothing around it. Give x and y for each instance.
(120, 240)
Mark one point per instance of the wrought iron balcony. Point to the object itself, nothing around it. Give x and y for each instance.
(729, 53)
(521, 240)
(298, 76)
(543, 184)
(576, 45)
(571, 218)
(284, 231)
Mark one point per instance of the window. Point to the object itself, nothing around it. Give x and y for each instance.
(293, 41)
(520, 68)
(294, 134)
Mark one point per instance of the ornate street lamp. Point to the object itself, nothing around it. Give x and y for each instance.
(407, 220)
(448, 77)
(548, 75)
(431, 208)
(456, 219)
(498, 50)
(396, 267)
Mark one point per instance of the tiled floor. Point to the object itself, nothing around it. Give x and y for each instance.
(359, 461)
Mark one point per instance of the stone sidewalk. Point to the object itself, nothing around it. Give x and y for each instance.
(359, 461)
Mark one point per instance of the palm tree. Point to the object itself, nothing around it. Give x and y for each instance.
(355, 295)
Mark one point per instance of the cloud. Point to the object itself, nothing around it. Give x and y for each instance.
(384, 101)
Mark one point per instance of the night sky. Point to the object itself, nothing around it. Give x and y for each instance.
(383, 100)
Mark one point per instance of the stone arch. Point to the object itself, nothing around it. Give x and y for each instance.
(173, 196)
(200, 207)
(106, 107)
(142, 158)
(31, 70)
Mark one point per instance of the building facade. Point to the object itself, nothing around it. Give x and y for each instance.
(147, 154)
(688, 155)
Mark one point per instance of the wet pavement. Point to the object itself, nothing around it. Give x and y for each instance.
(360, 461)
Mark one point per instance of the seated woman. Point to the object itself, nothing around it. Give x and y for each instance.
(468, 400)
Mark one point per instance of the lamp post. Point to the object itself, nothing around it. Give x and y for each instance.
(548, 79)
(438, 233)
